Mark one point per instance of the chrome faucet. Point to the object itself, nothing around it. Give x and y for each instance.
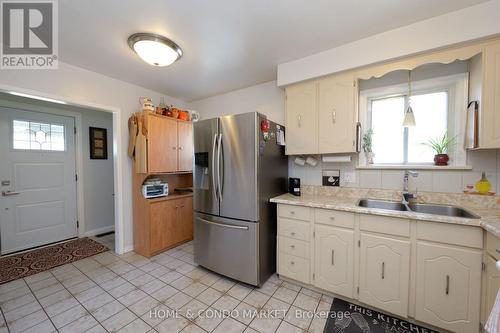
(406, 194)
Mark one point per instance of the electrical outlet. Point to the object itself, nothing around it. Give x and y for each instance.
(350, 176)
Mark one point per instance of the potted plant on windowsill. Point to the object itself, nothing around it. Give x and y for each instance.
(441, 147)
(367, 146)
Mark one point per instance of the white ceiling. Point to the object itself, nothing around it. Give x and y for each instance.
(227, 44)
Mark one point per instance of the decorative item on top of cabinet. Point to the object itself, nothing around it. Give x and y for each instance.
(162, 144)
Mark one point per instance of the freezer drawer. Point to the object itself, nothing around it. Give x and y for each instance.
(228, 247)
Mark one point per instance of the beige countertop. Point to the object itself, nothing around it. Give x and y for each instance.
(490, 217)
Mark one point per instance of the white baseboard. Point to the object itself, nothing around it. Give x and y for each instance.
(128, 249)
(99, 231)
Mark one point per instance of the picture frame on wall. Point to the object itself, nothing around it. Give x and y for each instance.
(98, 143)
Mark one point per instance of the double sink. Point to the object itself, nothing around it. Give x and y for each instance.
(443, 210)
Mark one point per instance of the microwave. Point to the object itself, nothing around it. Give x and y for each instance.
(154, 190)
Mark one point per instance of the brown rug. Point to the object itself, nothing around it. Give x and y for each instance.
(42, 259)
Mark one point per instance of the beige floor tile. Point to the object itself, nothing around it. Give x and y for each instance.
(291, 285)
(30, 320)
(310, 292)
(21, 312)
(17, 302)
(132, 297)
(112, 283)
(165, 293)
(108, 310)
(61, 306)
(245, 313)
(172, 325)
(119, 320)
(43, 327)
(69, 316)
(279, 308)
(178, 300)
(142, 279)
(137, 326)
(285, 294)
(80, 325)
(157, 315)
(192, 328)
(239, 291)
(226, 302)
(306, 302)
(193, 309)
(264, 324)
(223, 285)
(170, 277)
(209, 296)
(49, 290)
(144, 305)
(298, 317)
(288, 328)
(78, 288)
(152, 286)
(122, 290)
(230, 325)
(317, 325)
(209, 319)
(98, 301)
(182, 282)
(256, 298)
(195, 289)
(89, 294)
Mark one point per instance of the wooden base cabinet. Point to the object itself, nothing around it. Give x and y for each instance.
(448, 286)
(334, 260)
(384, 273)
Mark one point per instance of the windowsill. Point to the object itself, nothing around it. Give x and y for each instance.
(413, 167)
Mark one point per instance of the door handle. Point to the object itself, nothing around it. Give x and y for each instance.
(447, 291)
(224, 225)
(383, 270)
(333, 257)
(214, 184)
(219, 162)
(9, 193)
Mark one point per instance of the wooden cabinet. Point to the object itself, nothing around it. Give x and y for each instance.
(169, 144)
(384, 273)
(490, 110)
(301, 119)
(448, 286)
(334, 260)
(321, 116)
(336, 114)
(491, 276)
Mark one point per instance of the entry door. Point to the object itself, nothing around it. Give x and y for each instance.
(37, 174)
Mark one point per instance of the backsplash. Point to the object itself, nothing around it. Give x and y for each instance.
(446, 181)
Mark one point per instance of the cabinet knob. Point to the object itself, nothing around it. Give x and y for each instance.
(293, 233)
(181, 148)
(332, 218)
(334, 116)
(292, 212)
(292, 246)
(174, 148)
(292, 262)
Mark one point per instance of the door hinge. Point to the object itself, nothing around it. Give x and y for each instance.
(359, 242)
(76, 177)
(483, 267)
(74, 128)
(77, 224)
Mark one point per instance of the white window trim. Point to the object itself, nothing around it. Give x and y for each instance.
(456, 85)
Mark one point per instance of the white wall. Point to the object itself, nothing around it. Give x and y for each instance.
(456, 27)
(86, 88)
(265, 98)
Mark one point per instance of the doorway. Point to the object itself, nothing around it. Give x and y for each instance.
(38, 179)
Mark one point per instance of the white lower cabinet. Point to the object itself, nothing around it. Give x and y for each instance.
(448, 286)
(384, 273)
(491, 285)
(334, 260)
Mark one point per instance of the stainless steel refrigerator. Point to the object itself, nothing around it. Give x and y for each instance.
(238, 168)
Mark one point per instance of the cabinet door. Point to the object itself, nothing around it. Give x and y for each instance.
(162, 227)
(384, 273)
(334, 255)
(491, 285)
(448, 287)
(185, 135)
(301, 119)
(162, 144)
(186, 218)
(490, 136)
(337, 116)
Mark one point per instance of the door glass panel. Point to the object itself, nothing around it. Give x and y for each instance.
(30, 135)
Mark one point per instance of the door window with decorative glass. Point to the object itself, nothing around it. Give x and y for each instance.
(29, 135)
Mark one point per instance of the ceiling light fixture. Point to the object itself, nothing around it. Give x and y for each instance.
(409, 120)
(154, 49)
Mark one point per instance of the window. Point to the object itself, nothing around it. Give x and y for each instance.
(395, 144)
(28, 135)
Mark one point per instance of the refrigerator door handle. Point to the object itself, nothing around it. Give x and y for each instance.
(223, 225)
(220, 173)
(214, 183)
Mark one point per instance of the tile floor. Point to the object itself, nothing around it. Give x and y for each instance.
(130, 293)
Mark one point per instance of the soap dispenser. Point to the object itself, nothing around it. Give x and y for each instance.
(483, 185)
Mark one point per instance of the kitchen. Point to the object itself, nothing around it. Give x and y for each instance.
(359, 177)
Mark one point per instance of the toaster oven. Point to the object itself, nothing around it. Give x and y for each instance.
(155, 190)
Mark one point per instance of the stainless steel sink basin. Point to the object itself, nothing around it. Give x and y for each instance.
(383, 204)
(443, 210)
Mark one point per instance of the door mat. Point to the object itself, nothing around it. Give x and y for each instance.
(345, 317)
(42, 259)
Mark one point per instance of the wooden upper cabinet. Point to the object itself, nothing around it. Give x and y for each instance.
(337, 120)
(162, 144)
(185, 141)
(490, 115)
(301, 119)
(170, 144)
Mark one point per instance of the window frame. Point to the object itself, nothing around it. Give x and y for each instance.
(456, 85)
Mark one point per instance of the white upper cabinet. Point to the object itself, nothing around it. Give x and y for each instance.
(301, 119)
(490, 113)
(448, 286)
(337, 116)
(335, 260)
(384, 273)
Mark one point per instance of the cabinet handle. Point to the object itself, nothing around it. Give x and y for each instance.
(293, 233)
(334, 116)
(447, 284)
(332, 218)
(292, 246)
(333, 257)
(292, 212)
(181, 148)
(383, 270)
(292, 262)
(299, 118)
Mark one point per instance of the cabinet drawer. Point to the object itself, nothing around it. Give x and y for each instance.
(294, 247)
(294, 212)
(493, 245)
(450, 234)
(385, 225)
(294, 267)
(294, 229)
(333, 217)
